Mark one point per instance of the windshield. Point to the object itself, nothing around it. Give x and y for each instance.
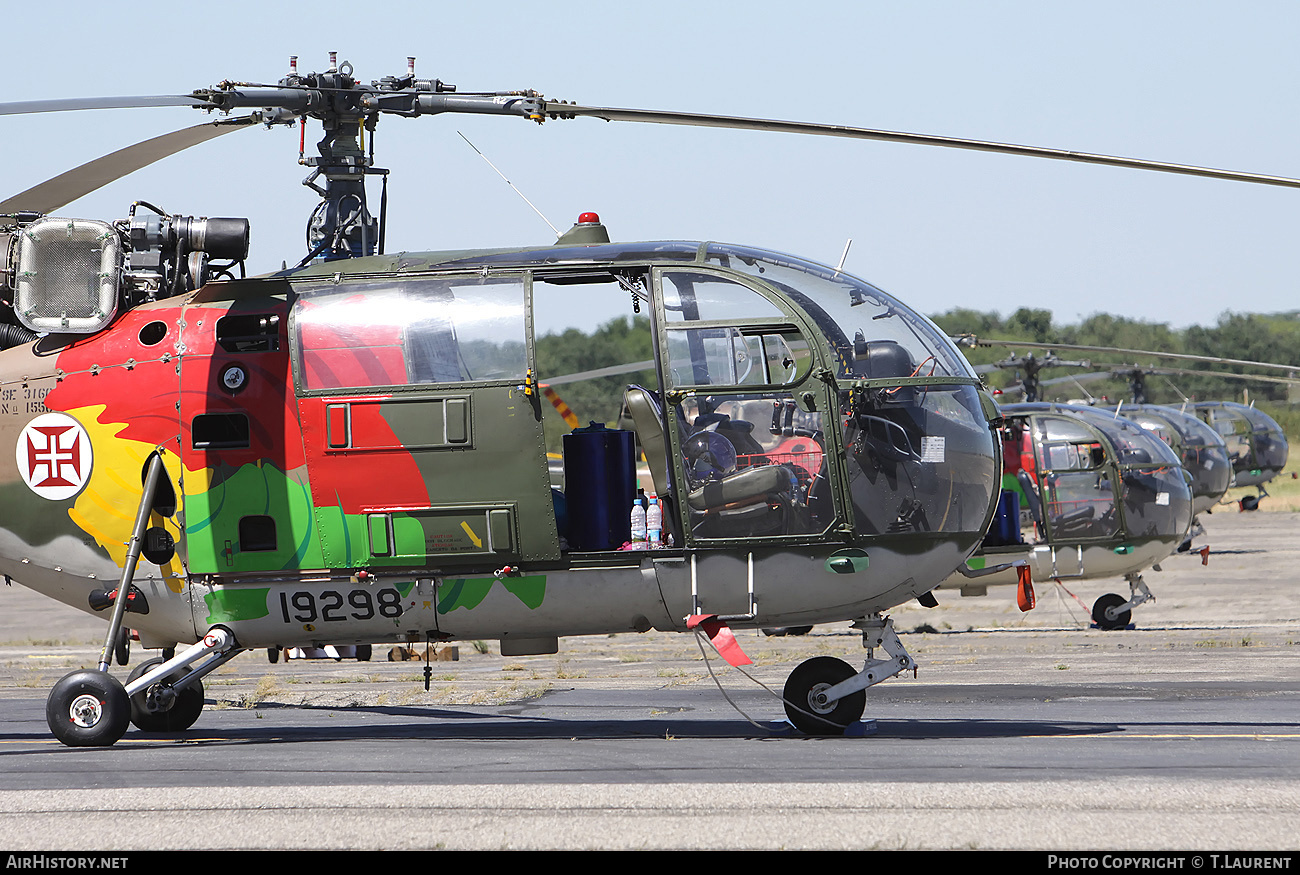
(921, 457)
(871, 333)
(1270, 440)
(1157, 498)
(1255, 442)
(1134, 445)
(1200, 448)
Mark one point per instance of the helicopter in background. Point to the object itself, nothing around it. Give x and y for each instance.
(1203, 453)
(351, 450)
(1085, 495)
(1257, 445)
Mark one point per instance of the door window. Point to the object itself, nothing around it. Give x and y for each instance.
(410, 332)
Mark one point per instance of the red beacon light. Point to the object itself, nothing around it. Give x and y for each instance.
(586, 231)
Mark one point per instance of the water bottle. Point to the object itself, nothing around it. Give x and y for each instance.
(654, 522)
(638, 525)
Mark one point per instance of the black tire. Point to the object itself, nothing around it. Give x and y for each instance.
(364, 652)
(88, 709)
(180, 716)
(273, 655)
(803, 705)
(1110, 600)
(122, 650)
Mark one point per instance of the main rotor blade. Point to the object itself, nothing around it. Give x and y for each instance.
(611, 371)
(1120, 371)
(564, 110)
(65, 188)
(1208, 359)
(72, 104)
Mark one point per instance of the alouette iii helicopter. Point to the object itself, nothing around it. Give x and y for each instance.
(1200, 449)
(1257, 446)
(1085, 495)
(350, 450)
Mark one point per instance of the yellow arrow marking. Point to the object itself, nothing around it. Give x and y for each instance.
(478, 542)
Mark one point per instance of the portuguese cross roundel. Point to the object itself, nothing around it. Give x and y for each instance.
(54, 456)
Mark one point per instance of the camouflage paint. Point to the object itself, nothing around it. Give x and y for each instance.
(468, 593)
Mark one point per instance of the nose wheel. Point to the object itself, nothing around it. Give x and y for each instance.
(1105, 615)
(1113, 611)
(806, 702)
(824, 695)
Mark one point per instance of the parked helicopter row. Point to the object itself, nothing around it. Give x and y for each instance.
(351, 450)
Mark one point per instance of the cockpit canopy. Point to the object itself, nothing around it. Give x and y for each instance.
(1095, 475)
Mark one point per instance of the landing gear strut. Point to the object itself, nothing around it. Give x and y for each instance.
(824, 695)
(92, 708)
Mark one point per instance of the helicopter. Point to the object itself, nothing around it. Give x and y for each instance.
(1257, 445)
(1085, 494)
(1203, 453)
(350, 449)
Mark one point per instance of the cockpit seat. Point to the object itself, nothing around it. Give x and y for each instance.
(648, 417)
(1074, 523)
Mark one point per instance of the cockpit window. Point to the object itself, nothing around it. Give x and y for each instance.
(1065, 445)
(1135, 445)
(736, 357)
(859, 319)
(397, 332)
(692, 297)
(1160, 427)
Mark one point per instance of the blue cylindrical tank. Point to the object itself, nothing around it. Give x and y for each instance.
(1005, 529)
(599, 486)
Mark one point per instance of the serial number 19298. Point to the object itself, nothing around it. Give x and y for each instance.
(306, 606)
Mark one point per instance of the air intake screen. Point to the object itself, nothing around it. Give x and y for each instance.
(67, 276)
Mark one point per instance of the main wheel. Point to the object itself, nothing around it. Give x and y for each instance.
(88, 709)
(184, 710)
(1110, 600)
(122, 650)
(805, 697)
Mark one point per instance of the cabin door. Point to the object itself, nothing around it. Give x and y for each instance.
(420, 423)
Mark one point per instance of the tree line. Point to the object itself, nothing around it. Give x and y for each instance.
(1273, 338)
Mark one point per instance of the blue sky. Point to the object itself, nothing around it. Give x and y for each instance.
(1188, 82)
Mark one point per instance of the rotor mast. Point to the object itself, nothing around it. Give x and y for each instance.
(342, 225)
